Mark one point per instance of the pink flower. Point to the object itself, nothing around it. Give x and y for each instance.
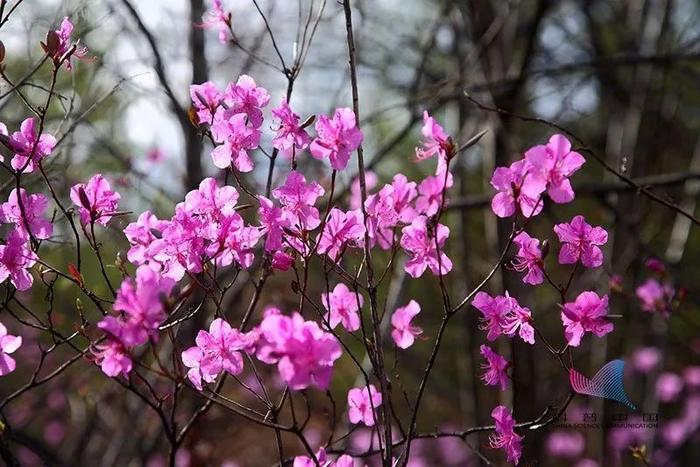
(15, 259)
(362, 403)
(272, 220)
(96, 200)
(304, 353)
(404, 332)
(34, 208)
(218, 18)
(516, 188)
(581, 242)
(29, 149)
(237, 139)
(431, 192)
(341, 229)
(436, 142)
(668, 387)
(529, 258)
(403, 194)
(247, 98)
(653, 296)
(323, 460)
(155, 155)
(113, 358)
(496, 368)
(555, 163)
(655, 265)
(420, 244)
(503, 315)
(290, 138)
(141, 234)
(58, 44)
(8, 345)
(337, 138)
(381, 217)
(356, 192)
(206, 99)
(299, 198)
(282, 261)
(587, 313)
(646, 359)
(518, 321)
(343, 306)
(504, 437)
(216, 351)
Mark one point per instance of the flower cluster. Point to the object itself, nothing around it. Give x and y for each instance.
(503, 315)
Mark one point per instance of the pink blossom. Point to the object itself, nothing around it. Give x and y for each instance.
(290, 138)
(569, 444)
(653, 296)
(337, 138)
(420, 244)
(646, 359)
(247, 98)
(323, 460)
(655, 265)
(581, 242)
(141, 234)
(518, 321)
(16, 259)
(206, 99)
(371, 180)
(282, 261)
(403, 194)
(586, 314)
(555, 162)
(216, 351)
(95, 199)
(404, 332)
(668, 387)
(218, 18)
(8, 344)
(304, 353)
(435, 142)
(516, 188)
(236, 138)
(343, 305)
(299, 198)
(362, 404)
(381, 217)
(341, 229)
(431, 192)
(496, 368)
(504, 436)
(493, 311)
(691, 376)
(61, 45)
(28, 148)
(34, 208)
(113, 358)
(272, 220)
(155, 155)
(529, 258)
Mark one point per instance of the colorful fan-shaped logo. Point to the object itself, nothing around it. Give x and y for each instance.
(607, 383)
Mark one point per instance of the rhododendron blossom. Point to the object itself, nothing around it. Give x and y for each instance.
(343, 306)
(341, 229)
(404, 332)
(555, 162)
(581, 242)
(435, 142)
(529, 258)
(206, 98)
(586, 314)
(323, 460)
(15, 260)
(218, 18)
(64, 45)
(299, 197)
(503, 315)
(290, 138)
(29, 149)
(654, 296)
(516, 189)
(8, 344)
(362, 404)
(431, 192)
(496, 368)
(236, 139)
(34, 207)
(504, 437)
(247, 98)
(518, 321)
(337, 138)
(417, 241)
(95, 199)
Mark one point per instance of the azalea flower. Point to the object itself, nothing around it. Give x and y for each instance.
(16, 259)
(404, 333)
(529, 258)
(504, 436)
(517, 188)
(586, 314)
(8, 344)
(581, 242)
(362, 403)
(29, 148)
(421, 246)
(34, 208)
(343, 306)
(95, 200)
(290, 138)
(555, 162)
(337, 138)
(496, 368)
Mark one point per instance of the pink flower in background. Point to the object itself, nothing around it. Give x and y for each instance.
(504, 436)
(216, 351)
(646, 359)
(568, 444)
(95, 199)
(668, 387)
(15, 259)
(290, 138)
(516, 189)
(218, 18)
(431, 192)
(299, 197)
(341, 229)
(337, 138)
(113, 358)
(155, 155)
(529, 258)
(435, 142)
(493, 311)
(303, 352)
(343, 306)
(691, 376)
(8, 344)
(581, 242)
(420, 244)
(29, 149)
(655, 265)
(371, 180)
(404, 332)
(34, 208)
(555, 162)
(518, 321)
(586, 314)
(246, 97)
(362, 402)
(206, 98)
(323, 460)
(236, 139)
(653, 296)
(496, 368)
